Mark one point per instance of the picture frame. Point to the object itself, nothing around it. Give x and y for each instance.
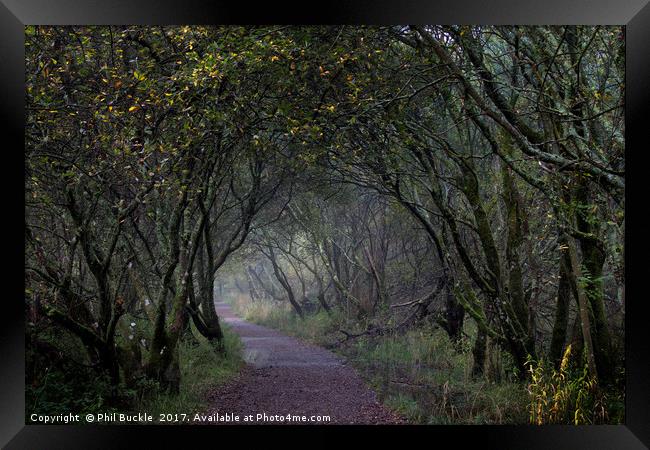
(634, 14)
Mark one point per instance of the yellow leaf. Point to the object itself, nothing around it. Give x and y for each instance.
(133, 108)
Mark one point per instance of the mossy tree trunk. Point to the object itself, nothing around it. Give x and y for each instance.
(563, 303)
(593, 260)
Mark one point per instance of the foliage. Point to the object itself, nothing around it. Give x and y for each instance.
(567, 395)
(66, 388)
(61, 391)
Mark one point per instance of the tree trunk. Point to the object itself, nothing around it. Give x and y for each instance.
(454, 315)
(593, 258)
(562, 308)
(583, 306)
(321, 297)
(478, 351)
(282, 278)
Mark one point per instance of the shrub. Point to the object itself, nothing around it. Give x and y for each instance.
(59, 385)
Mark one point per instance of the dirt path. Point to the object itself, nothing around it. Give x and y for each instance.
(287, 376)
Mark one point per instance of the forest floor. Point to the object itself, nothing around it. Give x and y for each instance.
(287, 377)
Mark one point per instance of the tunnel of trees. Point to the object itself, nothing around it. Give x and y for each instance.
(438, 175)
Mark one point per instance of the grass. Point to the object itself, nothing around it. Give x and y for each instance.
(569, 394)
(319, 328)
(420, 374)
(55, 385)
(202, 368)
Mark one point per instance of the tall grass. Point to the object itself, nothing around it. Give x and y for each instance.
(569, 394)
(428, 379)
(420, 374)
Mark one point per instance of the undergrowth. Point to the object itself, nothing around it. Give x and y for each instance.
(569, 394)
(428, 379)
(202, 368)
(56, 385)
(420, 374)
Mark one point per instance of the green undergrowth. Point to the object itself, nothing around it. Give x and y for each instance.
(202, 368)
(63, 386)
(420, 374)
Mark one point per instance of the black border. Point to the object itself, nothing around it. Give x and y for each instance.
(635, 14)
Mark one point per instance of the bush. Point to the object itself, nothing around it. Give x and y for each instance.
(76, 390)
(57, 385)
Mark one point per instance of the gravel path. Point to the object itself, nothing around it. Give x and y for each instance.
(285, 376)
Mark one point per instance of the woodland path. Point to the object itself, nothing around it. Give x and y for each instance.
(284, 375)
